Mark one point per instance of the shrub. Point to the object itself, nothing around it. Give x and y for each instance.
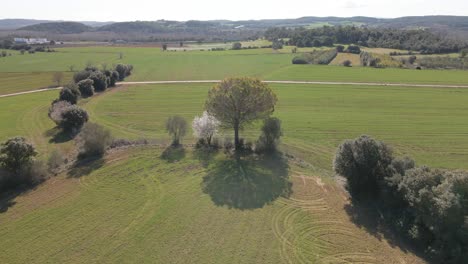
(205, 127)
(56, 110)
(55, 160)
(123, 71)
(81, 75)
(270, 137)
(95, 140)
(277, 44)
(236, 46)
(353, 49)
(70, 93)
(347, 63)
(340, 48)
(99, 81)
(299, 60)
(365, 163)
(73, 118)
(412, 59)
(176, 126)
(86, 87)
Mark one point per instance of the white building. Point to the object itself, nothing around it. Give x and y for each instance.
(31, 40)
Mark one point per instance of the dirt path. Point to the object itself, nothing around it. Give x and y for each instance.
(278, 82)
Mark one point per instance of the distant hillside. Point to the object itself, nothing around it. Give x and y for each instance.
(17, 23)
(58, 27)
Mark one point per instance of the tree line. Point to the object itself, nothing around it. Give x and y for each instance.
(422, 41)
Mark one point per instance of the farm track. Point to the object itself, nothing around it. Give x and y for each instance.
(273, 82)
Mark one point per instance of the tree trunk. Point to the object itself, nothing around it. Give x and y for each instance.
(236, 136)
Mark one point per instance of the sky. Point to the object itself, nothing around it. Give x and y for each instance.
(182, 10)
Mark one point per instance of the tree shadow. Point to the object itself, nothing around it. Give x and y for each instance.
(9, 194)
(249, 182)
(58, 136)
(383, 225)
(173, 153)
(205, 155)
(83, 167)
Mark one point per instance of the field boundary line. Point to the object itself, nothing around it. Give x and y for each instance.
(274, 82)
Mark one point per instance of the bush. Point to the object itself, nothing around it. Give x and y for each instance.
(270, 137)
(73, 119)
(176, 126)
(123, 71)
(56, 110)
(365, 163)
(299, 60)
(86, 87)
(55, 161)
(95, 140)
(70, 93)
(340, 48)
(236, 46)
(353, 49)
(81, 75)
(99, 81)
(347, 63)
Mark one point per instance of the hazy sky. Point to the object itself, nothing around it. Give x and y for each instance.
(130, 10)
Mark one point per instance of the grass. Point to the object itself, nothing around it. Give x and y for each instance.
(427, 123)
(342, 57)
(13, 82)
(136, 207)
(151, 64)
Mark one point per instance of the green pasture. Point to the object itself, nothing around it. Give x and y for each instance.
(152, 64)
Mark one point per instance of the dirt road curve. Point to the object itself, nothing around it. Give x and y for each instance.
(280, 82)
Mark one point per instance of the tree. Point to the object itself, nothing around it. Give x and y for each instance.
(57, 78)
(354, 49)
(271, 134)
(123, 71)
(16, 153)
(340, 48)
(81, 75)
(100, 81)
(70, 93)
(164, 47)
(412, 59)
(365, 163)
(236, 46)
(86, 87)
(176, 126)
(95, 139)
(73, 119)
(71, 68)
(236, 102)
(56, 110)
(205, 127)
(277, 44)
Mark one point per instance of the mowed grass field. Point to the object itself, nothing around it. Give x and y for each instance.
(156, 205)
(428, 124)
(152, 64)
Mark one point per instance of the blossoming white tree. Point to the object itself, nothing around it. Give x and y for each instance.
(205, 127)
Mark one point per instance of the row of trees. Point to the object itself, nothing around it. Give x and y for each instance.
(416, 40)
(427, 205)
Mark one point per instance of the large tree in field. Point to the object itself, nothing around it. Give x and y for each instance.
(236, 102)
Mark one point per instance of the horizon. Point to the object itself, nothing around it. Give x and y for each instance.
(206, 10)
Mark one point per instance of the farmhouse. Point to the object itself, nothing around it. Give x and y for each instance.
(31, 40)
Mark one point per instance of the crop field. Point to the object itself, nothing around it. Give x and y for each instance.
(151, 64)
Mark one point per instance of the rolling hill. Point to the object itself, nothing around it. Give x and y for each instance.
(58, 27)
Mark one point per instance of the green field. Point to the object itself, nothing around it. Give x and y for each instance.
(151, 64)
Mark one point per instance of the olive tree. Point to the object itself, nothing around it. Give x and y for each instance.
(236, 102)
(365, 163)
(176, 126)
(205, 127)
(16, 153)
(70, 93)
(56, 110)
(99, 81)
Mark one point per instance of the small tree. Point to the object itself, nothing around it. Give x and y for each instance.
(99, 81)
(56, 110)
(236, 46)
(123, 71)
(271, 134)
(81, 75)
(73, 119)
(57, 78)
(365, 163)
(70, 93)
(412, 59)
(236, 102)
(71, 68)
(16, 154)
(95, 140)
(340, 48)
(164, 47)
(205, 127)
(176, 126)
(277, 44)
(86, 87)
